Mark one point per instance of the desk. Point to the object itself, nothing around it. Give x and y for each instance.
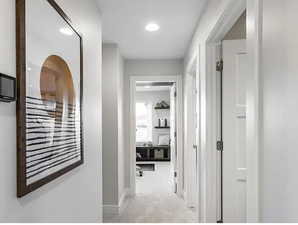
(154, 153)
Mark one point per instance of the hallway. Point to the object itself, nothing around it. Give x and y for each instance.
(143, 111)
(154, 201)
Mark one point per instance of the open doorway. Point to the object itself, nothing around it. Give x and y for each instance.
(167, 127)
(157, 168)
(232, 123)
(174, 128)
(155, 137)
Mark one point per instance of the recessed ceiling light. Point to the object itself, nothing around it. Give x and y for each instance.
(152, 27)
(147, 87)
(66, 31)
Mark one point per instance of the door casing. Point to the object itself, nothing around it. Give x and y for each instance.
(132, 140)
(209, 159)
(191, 138)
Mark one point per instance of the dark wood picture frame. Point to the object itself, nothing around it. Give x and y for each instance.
(22, 187)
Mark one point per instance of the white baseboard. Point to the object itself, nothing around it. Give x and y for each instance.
(130, 193)
(114, 210)
(110, 211)
(184, 195)
(123, 200)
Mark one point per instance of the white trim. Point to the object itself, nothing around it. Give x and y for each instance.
(130, 193)
(189, 138)
(114, 210)
(228, 18)
(192, 80)
(178, 80)
(123, 200)
(254, 46)
(110, 211)
(184, 195)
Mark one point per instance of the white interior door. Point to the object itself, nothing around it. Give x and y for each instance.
(173, 137)
(234, 131)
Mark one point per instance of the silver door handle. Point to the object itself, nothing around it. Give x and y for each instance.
(195, 147)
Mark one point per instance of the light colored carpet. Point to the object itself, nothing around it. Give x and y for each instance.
(155, 201)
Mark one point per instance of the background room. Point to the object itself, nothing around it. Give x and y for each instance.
(153, 119)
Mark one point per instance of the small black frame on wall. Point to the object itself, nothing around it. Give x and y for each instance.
(7, 88)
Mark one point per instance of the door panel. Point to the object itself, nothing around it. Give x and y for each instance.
(234, 131)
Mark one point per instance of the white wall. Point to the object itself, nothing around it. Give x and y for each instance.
(113, 142)
(143, 68)
(279, 156)
(156, 97)
(110, 124)
(135, 67)
(76, 196)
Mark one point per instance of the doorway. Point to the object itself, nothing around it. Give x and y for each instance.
(163, 144)
(232, 69)
(158, 194)
(156, 153)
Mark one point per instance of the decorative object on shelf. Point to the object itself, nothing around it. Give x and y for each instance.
(148, 153)
(162, 105)
(50, 85)
(158, 105)
(7, 88)
(162, 127)
(162, 124)
(159, 153)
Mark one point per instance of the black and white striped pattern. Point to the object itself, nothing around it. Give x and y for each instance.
(53, 137)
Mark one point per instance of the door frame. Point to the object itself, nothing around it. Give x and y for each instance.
(190, 135)
(254, 33)
(132, 142)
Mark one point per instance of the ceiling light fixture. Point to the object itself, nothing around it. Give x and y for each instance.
(147, 87)
(66, 31)
(151, 27)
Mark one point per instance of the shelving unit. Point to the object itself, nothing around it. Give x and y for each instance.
(162, 127)
(154, 153)
(158, 108)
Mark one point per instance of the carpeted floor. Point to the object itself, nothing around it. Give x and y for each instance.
(155, 201)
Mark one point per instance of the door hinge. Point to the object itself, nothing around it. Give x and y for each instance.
(175, 174)
(219, 66)
(175, 134)
(175, 94)
(219, 146)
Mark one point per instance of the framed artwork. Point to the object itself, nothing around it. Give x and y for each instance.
(50, 94)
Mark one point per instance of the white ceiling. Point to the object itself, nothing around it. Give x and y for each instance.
(124, 23)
